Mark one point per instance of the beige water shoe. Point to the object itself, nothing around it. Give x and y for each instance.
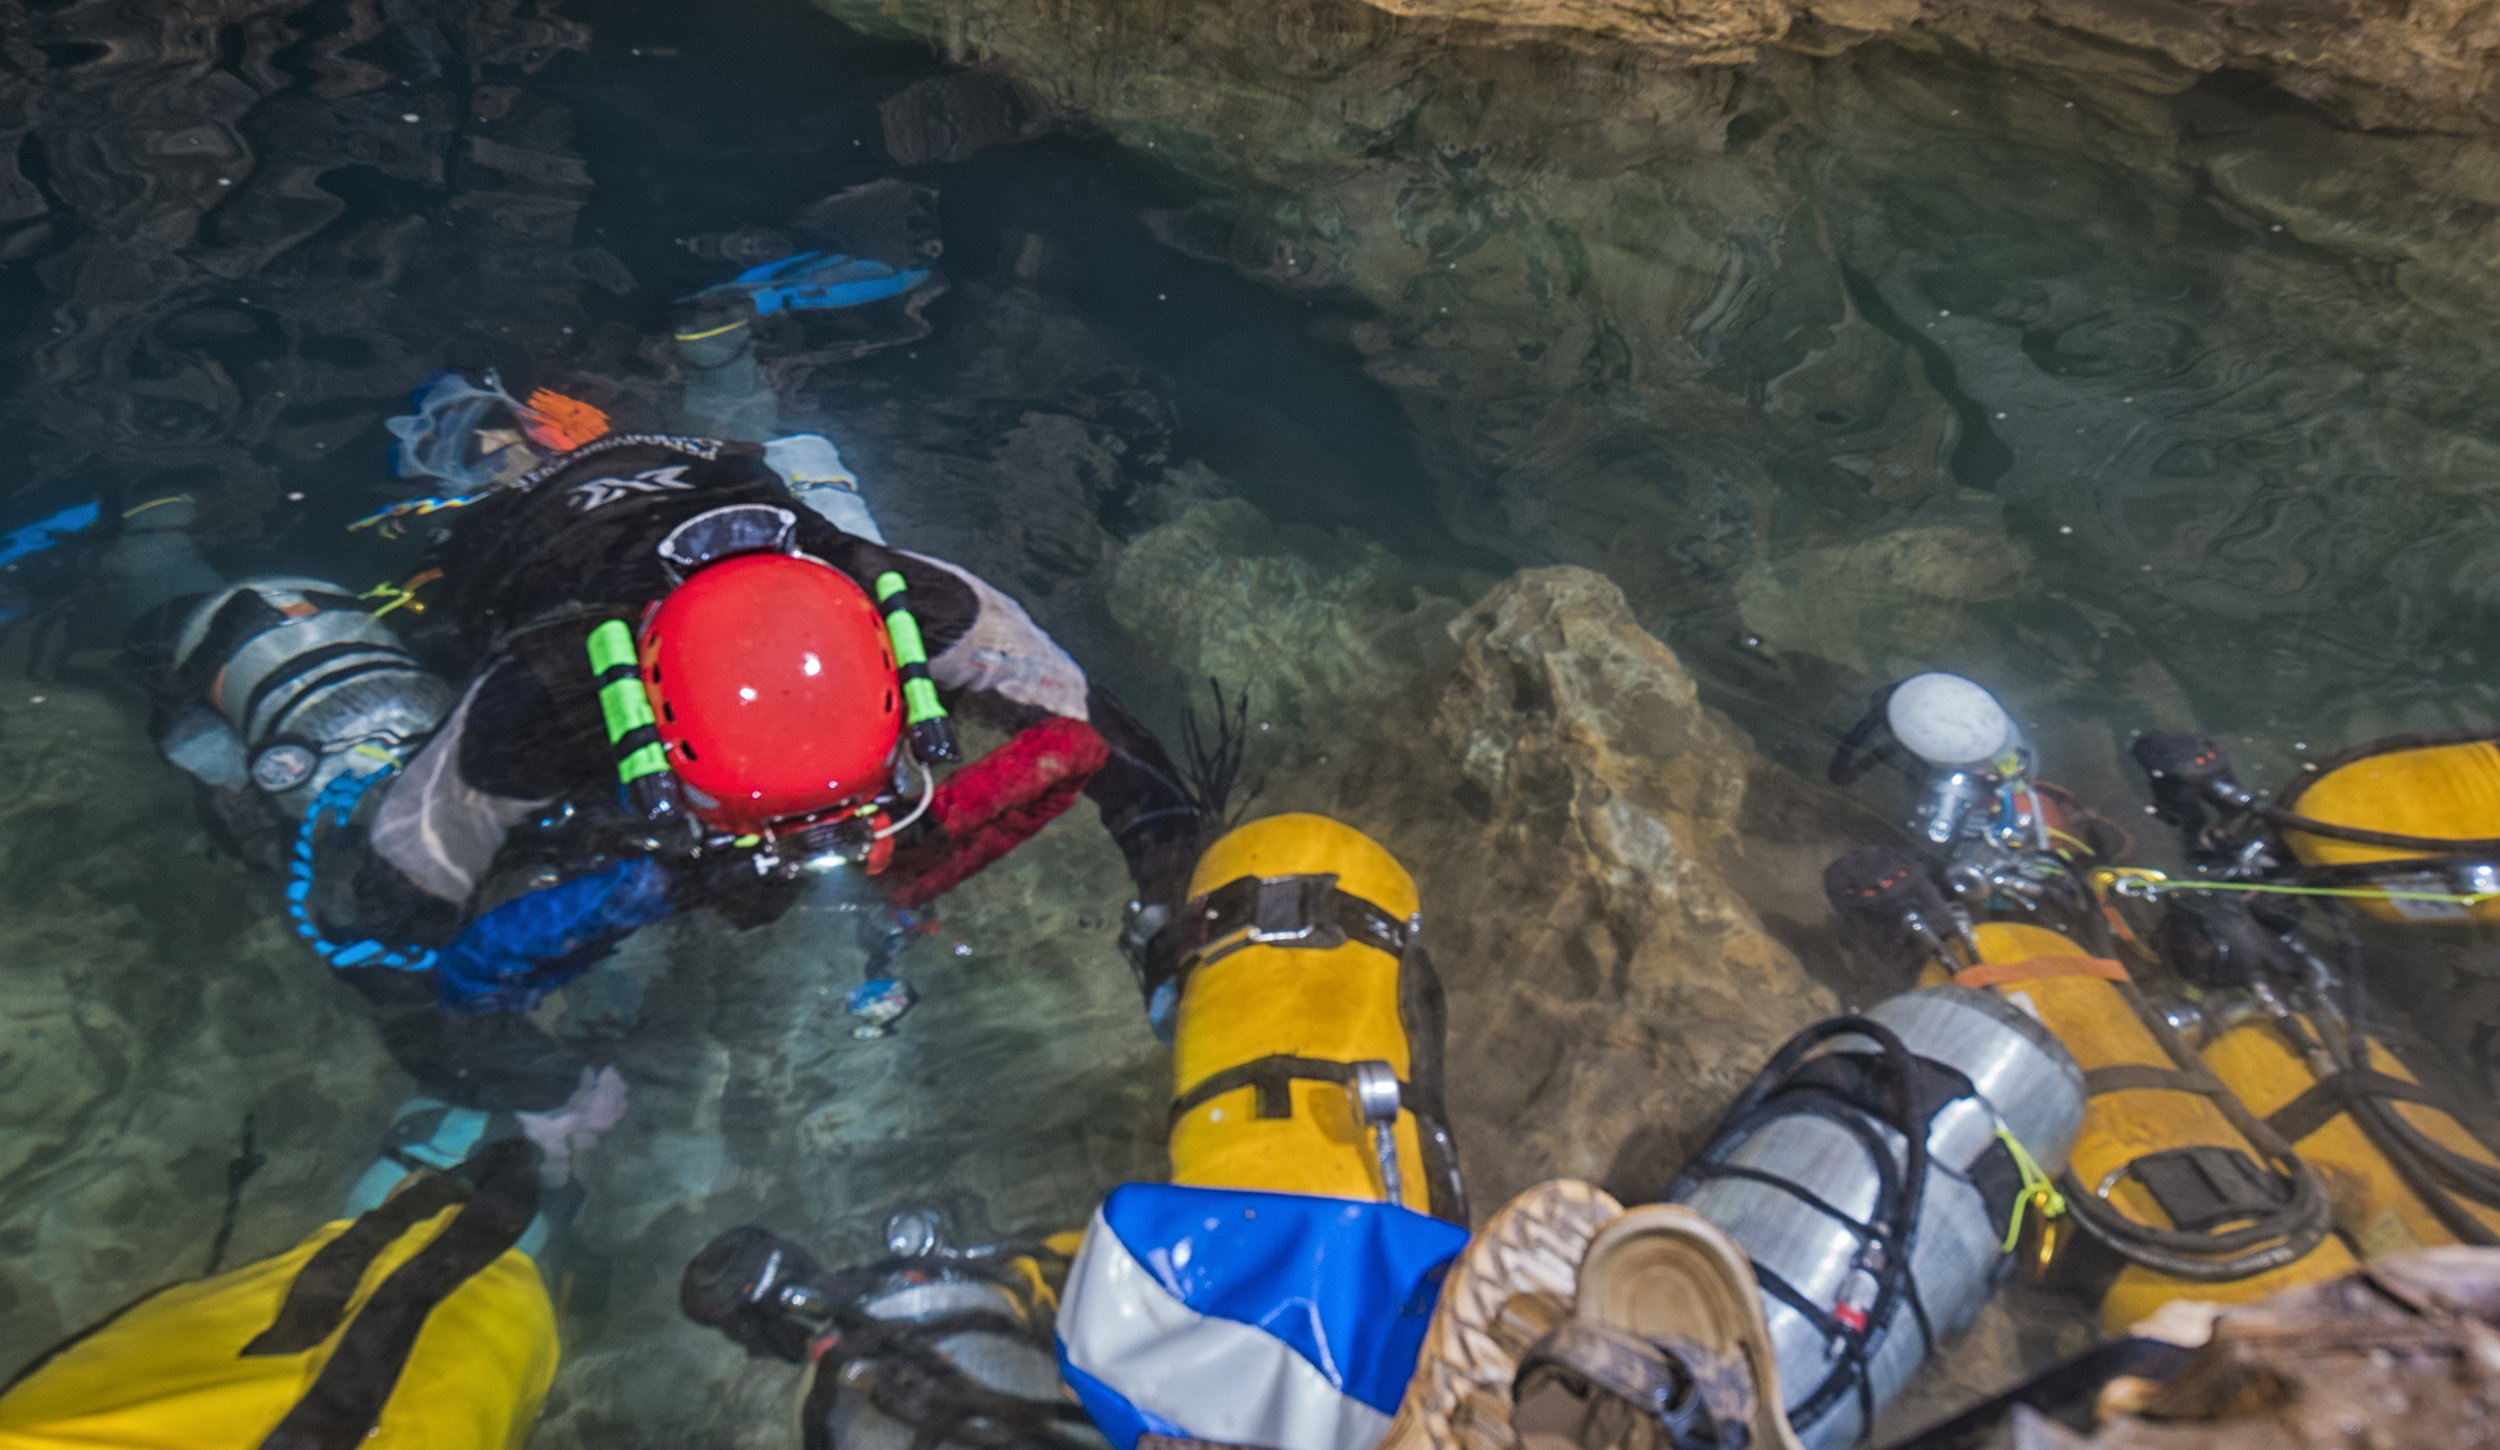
(1511, 1286)
(1666, 1349)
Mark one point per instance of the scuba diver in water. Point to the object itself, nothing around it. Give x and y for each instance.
(697, 676)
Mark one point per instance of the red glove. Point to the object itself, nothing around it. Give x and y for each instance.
(993, 805)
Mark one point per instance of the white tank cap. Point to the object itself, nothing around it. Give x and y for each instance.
(1946, 720)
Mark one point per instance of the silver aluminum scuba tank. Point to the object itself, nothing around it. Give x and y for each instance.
(305, 676)
(1868, 1251)
(933, 1348)
(985, 1351)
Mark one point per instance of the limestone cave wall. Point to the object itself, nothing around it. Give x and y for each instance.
(2077, 344)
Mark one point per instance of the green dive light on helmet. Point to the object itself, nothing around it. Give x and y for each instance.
(642, 773)
(932, 734)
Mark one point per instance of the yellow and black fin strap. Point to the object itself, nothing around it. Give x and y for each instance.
(932, 734)
(346, 1400)
(317, 1300)
(642, 772)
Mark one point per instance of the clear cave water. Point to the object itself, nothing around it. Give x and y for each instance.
(2139, 441)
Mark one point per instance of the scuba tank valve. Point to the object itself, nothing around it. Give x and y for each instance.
(1374, 1088)
(1949, 798)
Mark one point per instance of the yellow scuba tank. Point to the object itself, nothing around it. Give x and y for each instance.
(2439, 792)
(1307, 1040)
(2377, 1209)
(339, 1328)
(2140, 1106)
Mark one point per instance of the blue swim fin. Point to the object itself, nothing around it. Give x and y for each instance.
(43, 533)
(819, 281)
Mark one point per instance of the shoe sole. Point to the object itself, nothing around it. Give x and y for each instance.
(1509, 1288)
(1664, 1269)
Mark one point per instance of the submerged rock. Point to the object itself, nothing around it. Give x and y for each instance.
(1570, 810)
(1690, 295)
(1886, 606)
(1325, 645)
(140, 1044)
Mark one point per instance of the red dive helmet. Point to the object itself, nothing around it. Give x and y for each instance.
(775, 688)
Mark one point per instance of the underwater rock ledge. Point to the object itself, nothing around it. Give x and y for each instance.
(2426, 65)
(1697, 296)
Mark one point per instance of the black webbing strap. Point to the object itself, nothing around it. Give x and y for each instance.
(1295, 912)
(1841, 1342)
(1863, 1233)
(295, 667)
(1698, 1398)
(2330, 1097)
(2135, 1076)
(318, 1298)
(1274, 1077)
(346, 1398)
(1916, 1089)
(242, 618)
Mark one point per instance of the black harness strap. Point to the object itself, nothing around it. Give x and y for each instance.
(1273, 1076)
(2136, 1076)
(1295, 912)
(2330, 1097)
(296, 667)
(346, 1398)
(1844, 1090)
(1862, 1232)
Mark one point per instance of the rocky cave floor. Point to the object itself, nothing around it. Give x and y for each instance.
(1776, 346)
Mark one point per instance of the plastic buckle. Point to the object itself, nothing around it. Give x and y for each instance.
(1293, 911)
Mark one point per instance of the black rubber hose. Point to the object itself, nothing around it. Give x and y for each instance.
(2100, 939)
(1858, 753)
(2282, 819)
(2289, 1232)
(2420, 1161)
(2124, 1236)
